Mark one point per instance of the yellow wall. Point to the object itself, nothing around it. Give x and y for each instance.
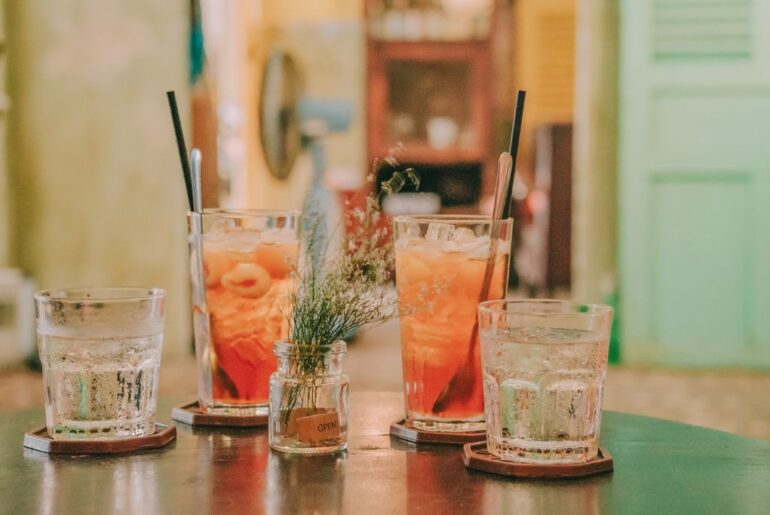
(283, 12)
(545, 57)
(97, 192)
(544, 60)
(4, 106)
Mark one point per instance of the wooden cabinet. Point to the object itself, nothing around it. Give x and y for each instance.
(435, 99)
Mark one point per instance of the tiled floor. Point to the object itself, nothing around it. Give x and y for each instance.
(732, 401)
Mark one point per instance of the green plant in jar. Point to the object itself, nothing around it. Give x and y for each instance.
(334, 296)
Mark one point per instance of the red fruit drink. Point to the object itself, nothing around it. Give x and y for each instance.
(440, 268)
(248, 262)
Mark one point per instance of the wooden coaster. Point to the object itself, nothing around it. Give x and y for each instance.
(192, 415)
(411, 434)
(40, 441)
(476, 457)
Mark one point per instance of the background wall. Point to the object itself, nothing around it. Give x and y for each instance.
(595, 210)
(4, 106)
(327, 42)
(96, 191)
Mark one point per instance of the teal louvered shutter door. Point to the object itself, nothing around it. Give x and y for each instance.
(694, 179)
(702, 29)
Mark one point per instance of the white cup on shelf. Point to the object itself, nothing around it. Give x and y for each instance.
(443, 132)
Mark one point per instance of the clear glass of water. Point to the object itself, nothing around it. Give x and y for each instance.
(544, 364)
(100, 350)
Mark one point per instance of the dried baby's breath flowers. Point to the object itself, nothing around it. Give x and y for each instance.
(335, 295)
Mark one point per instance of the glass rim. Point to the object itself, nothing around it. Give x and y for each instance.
(242, 212)
(492, 307)
(484, 219)
(286, 346)
(99, 295)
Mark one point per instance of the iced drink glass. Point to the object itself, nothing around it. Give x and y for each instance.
(242, 266)
(440, 268)
(100, 351)
(544, 364)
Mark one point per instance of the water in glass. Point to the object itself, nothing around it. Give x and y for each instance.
(101, 387)
(543, 393)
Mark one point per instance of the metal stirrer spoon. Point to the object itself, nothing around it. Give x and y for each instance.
(195, 160)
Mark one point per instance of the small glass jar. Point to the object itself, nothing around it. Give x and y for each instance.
(308, 400)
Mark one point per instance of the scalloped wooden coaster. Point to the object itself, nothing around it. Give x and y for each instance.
(411, 434)
(476, 457)
(192, 415)
(40, 441)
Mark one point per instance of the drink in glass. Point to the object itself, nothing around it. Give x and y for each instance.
(241, 291)
(441, 263)
(100, 351)
(544, 363)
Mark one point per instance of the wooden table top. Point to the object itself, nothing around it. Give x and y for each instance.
(660, 467)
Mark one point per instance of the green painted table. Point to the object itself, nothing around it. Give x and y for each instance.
(660, 467)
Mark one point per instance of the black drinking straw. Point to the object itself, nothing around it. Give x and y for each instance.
(513, 148)
(181, 146)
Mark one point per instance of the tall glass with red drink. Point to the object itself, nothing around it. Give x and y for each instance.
(441, 263)
(242, 264)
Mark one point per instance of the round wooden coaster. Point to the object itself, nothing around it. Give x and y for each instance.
(476, 457)
(192, 415)
(411, 434)
(40, 441)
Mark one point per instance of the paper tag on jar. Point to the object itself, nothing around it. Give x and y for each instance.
(317, 428)
(291, 425)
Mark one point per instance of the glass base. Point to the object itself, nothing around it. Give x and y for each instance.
(293, 447)
(101, 429)
(448, 425)
(235, 410)
(539, 452)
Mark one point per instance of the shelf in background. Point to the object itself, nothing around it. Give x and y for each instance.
(468, 209)
(429, 50)
(410, 83)
(425, 154)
